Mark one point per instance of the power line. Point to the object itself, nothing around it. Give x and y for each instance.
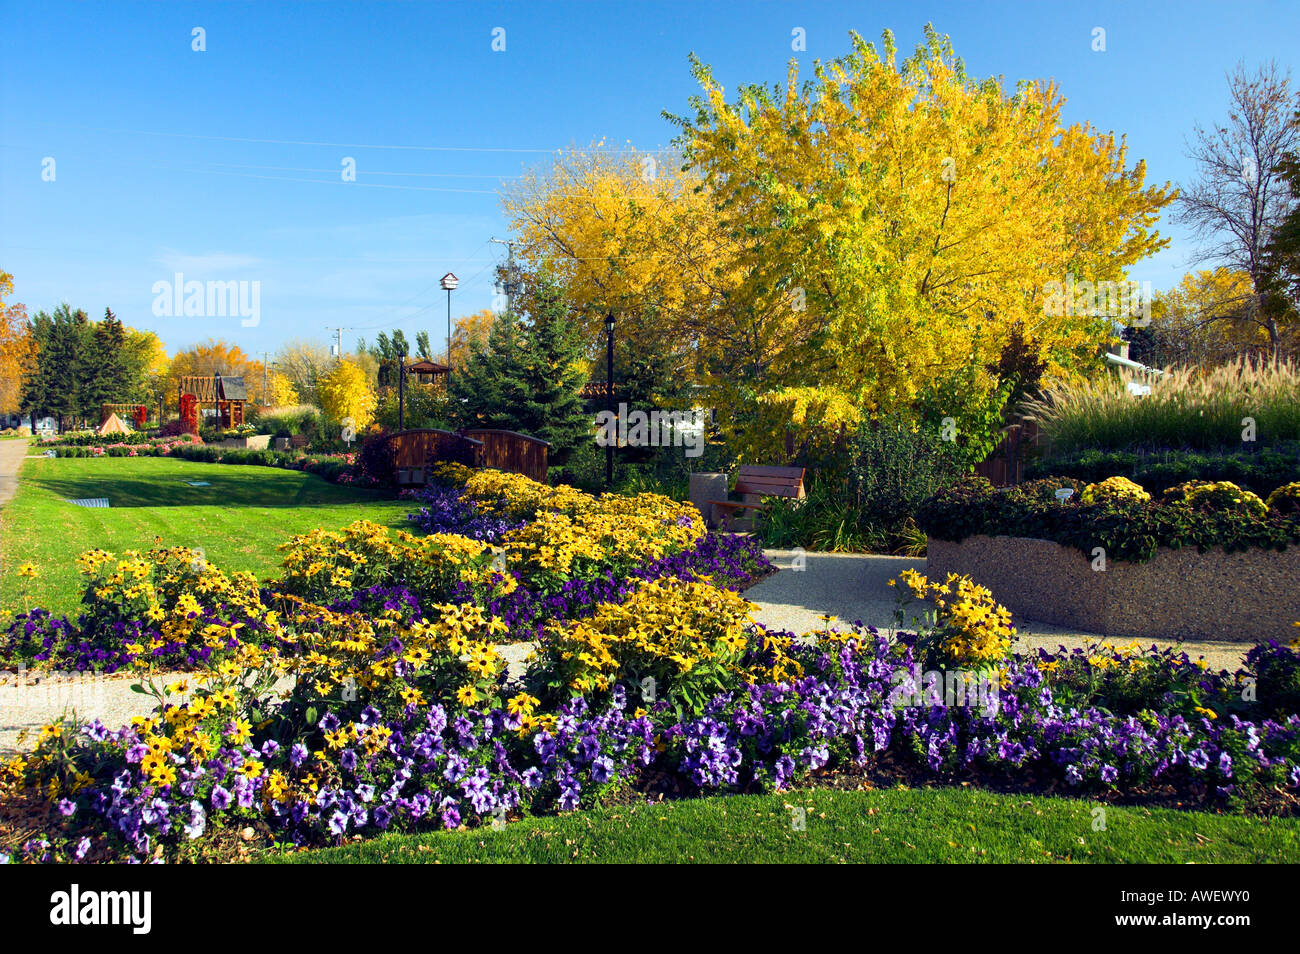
(335, 145)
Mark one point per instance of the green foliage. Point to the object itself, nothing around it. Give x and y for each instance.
(527, 377)
(865, 501)
(82, 365)
(1259, 472)
(1128, 530)
(426, 406)
(972, 408)
(291, 421)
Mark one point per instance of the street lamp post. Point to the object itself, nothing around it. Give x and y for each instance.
(609, 397)
(401, 390)
(449, 282)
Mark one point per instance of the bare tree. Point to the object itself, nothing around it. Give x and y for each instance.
(1240, 196)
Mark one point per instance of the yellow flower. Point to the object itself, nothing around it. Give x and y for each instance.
(467, 695)
(28, 570)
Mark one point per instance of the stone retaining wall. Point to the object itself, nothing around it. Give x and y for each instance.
(255, 442)
(1245, 596)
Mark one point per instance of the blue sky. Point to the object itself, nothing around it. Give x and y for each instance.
(225, 164)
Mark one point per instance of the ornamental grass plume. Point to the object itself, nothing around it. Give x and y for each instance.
(1186, 408)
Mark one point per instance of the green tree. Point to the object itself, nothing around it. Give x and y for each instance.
(57, 388)
(487, 392)
(553, 372)
(527, 376)
(107, 379)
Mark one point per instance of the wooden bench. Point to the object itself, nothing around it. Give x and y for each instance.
(755, 483)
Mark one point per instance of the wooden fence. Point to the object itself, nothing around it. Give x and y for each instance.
(1004, 466)
(415, 451)
(512, 452)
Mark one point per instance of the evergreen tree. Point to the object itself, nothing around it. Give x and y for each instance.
(107, 379)
(487, 392)
(422, 346)
(552, 372)
(527, 377)
(58, 386)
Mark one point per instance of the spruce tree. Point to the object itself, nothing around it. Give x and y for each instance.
(552, 372)
(63, 362)
(106, 380)
(487, 392)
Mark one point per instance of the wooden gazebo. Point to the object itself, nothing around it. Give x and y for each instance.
(425, 371)
(226, 394)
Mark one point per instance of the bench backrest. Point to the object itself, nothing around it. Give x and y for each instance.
(770, 481)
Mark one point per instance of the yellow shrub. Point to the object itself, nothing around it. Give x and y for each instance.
(1114, 490)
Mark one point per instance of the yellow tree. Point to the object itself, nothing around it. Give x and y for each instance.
(470, 330)
(630, 233)
(17, 348)
(280, 391)
(346, 393)
(1208, 318)
(149, 364)
(906, 218)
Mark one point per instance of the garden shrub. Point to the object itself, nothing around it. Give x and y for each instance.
(1117, 490)
(1276, 668)
(1259, 471)
(869, 502)
(376, 460)
(1215, 496)
(679, 641)
(1285, 500)
(1128, 527)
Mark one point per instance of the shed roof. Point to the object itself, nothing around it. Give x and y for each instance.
(231, 388)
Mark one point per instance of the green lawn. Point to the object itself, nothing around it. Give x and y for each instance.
(238, 520)
(936, 825)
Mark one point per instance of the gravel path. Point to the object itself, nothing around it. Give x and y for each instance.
(854, 586)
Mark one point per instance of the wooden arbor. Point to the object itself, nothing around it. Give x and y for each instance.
(225, 393)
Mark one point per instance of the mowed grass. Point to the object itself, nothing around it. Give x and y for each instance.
(933, 825)
(238, 520)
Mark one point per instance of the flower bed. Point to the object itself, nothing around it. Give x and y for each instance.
(394, 727)
(130, 609)
(401, 714)
(1121, 518)
(1112, 559)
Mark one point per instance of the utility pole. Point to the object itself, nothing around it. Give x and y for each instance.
(266, 363)
(338, 331)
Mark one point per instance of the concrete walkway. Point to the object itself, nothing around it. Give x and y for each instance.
(12, 453)
(853, 586)
(29, 701)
